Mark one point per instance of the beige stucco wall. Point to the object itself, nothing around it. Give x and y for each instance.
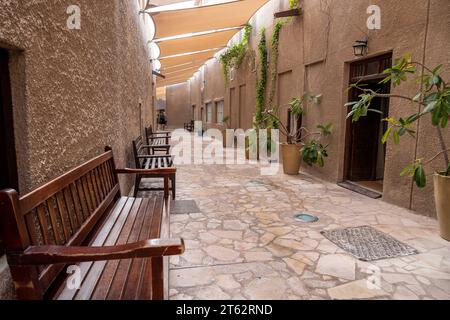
(315, 52)
(178, 109)
(74, 91)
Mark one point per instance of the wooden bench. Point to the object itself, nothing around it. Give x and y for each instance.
(145, 158)
(160, 141)
(79, 221)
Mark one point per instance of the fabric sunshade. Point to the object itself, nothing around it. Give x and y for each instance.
(189, 58)
(205, 18)
(153, 3)
(180, 79)
(171, 70)
(196, 43)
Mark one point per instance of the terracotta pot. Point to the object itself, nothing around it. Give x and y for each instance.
(442, 196)
(291, 158)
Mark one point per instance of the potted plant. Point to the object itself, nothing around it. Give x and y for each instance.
(223, 129)
(301, 143)
(433, 100)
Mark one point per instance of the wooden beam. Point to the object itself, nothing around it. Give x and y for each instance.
(158, 74)
(288, 13)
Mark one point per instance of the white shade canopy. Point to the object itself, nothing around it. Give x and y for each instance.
(204, 18)
(188, 37)
(196, 42)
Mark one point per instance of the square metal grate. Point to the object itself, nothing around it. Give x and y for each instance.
(368, 244)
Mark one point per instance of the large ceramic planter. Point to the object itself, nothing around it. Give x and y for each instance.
(442, 196)
(291, 158)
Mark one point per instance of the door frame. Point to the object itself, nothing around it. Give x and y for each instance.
(8, 161)
(352, 79)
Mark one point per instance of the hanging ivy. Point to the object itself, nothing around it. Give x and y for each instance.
(261, 84)
(235, 55)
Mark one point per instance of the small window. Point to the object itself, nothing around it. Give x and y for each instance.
(219, 111)
(209, 113)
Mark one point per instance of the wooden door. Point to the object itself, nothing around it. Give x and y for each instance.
(244, 122)
(234, 110)
(8, 166)
(365, 144)
(285, 92)
(365, 155)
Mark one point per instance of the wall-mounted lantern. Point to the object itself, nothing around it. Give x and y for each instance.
(361, 48)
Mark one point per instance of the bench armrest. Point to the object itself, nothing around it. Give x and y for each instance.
(157, 146)
(155, 156)
(45, 255)
(162, 171)
(160, 134)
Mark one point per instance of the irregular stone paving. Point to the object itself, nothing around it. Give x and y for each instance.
(246, 244)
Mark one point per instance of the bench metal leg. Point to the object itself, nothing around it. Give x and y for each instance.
(174, 188)
(137, 183)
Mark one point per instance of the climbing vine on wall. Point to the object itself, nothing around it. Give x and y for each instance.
(261, 84)
(274, 61)
(235, 55)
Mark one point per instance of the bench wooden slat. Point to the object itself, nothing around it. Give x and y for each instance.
(116, 290)
(134, 220)
(145, 292)
(82, 198)
(65, 221)
(54, 221)
(70, 210)
(87, 194)
(95, 269)
(133, 284)
(43, 224)
(76, 202)
(100, 240)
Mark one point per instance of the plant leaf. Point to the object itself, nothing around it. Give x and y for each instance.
(386, 135)
(396, 137)
(420, 177)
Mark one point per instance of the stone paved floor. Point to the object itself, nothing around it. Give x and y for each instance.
(245, 243)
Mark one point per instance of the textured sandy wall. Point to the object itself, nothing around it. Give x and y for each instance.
(315, 53)
(178, 108)
(74, 92)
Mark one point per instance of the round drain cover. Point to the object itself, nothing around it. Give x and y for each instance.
(304, 217)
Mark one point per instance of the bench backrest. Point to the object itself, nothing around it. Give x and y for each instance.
(64, 211)
(148, 133)
(139, 149)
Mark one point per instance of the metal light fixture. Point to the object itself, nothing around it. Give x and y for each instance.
(360, 47)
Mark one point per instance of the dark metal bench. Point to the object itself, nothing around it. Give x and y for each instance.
(79, 221)
(145, 158)
(160, 141)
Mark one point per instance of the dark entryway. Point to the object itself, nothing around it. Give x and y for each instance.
(365, 153)
(8, 167)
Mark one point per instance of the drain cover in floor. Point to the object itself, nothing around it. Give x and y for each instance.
(304, 217)
(368, 244)
(184, 207)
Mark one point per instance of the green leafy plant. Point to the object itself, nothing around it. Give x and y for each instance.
(274, 60)
(261, 84)
(433, 99)
(235, 55)
(226, 120)
(314, 151)
(294, 4)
